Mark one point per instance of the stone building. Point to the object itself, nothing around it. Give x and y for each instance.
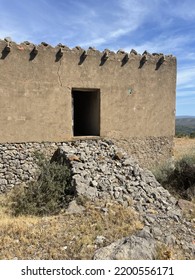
(56, 94)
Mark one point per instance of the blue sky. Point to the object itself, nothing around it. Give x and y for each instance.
(166, 26)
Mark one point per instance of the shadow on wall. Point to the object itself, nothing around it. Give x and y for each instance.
(5, 52)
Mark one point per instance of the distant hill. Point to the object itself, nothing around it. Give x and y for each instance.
(185, 117)
(185, 125)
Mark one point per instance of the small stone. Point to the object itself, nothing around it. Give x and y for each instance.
(170, 240)
(116, 194)
(157, 233)
(150, 219)
(100, 239)
(94, 183)
(145, 233)
(91, 192)
(73, 158)
(127, 162)
(74, 208)
(3, 181)
(104, 209)
(118, 155)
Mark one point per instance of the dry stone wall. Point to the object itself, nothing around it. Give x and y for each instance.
(149, 151)
(18, 163)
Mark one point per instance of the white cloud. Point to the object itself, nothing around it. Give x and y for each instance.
(186, 77)
(130, 15)
(164, 43)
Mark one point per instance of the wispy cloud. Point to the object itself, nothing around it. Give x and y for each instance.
(186, 77)
(163, 43)
(129, 17)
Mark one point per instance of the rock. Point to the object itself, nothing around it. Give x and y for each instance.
(82, 189)
(185, 205)
(156, 232)
(100, 240)
(94, 183)
(170, 240)
(132, 248)
(74, 208)
(118, 155)
(91, 192)
(3, 181)
(150, 219)
(127, 161)
(190, 192)
(145, 233)
(73, 157)
(116, 194)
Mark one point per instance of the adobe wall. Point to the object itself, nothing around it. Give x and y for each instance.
(137, 98)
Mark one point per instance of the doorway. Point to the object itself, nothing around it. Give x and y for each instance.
(86, 112)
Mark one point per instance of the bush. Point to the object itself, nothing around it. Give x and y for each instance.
(192, 135)
(178, 177)
(46, 196)
(164, 173)
(184, 172)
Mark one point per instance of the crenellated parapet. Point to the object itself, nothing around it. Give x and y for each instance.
(7, 46)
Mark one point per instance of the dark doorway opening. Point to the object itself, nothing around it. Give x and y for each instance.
(86, 112)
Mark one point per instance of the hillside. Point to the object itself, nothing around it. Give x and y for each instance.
(185, 125)
(142, 213)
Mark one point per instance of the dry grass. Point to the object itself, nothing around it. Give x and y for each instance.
(183, 146)
(165, 252)
(64, 236)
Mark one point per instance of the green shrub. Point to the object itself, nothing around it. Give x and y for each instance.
(177, 177)
(164, 173)
(184, 173)
(46, 196)
(192, 135)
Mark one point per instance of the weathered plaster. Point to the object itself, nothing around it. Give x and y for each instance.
(35, 93)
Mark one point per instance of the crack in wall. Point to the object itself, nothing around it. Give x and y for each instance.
(58, 73)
